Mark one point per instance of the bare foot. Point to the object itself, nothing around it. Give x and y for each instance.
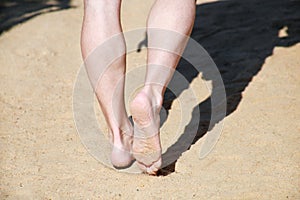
(121, 152)
(146, 144)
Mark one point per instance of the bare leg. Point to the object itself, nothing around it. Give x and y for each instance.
(101, 21)
(175, 16)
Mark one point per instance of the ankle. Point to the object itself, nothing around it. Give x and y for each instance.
(123, 129)
(154, 94)
(119, 134)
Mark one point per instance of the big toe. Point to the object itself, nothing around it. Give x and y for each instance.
(149, 163)
(153, 169)
(150, 169)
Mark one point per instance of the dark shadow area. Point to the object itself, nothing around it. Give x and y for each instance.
(13, 12)
(239, 35)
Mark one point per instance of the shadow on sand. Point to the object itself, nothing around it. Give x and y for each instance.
(13, 12)
(239, 36)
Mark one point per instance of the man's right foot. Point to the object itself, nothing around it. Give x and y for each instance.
(146, 147)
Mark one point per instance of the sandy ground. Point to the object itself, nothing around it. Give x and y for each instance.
(257, 156)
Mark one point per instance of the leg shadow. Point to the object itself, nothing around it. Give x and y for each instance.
(239, 36)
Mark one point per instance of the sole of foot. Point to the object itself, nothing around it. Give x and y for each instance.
(146, 147)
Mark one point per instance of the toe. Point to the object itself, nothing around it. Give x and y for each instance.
(142, 166)
(152, 170)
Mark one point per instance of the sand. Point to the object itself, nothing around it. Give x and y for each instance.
(256, 157)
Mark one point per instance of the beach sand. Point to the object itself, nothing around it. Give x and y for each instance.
(256, 157)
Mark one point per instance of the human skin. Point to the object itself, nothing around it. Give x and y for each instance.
(101, 22)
